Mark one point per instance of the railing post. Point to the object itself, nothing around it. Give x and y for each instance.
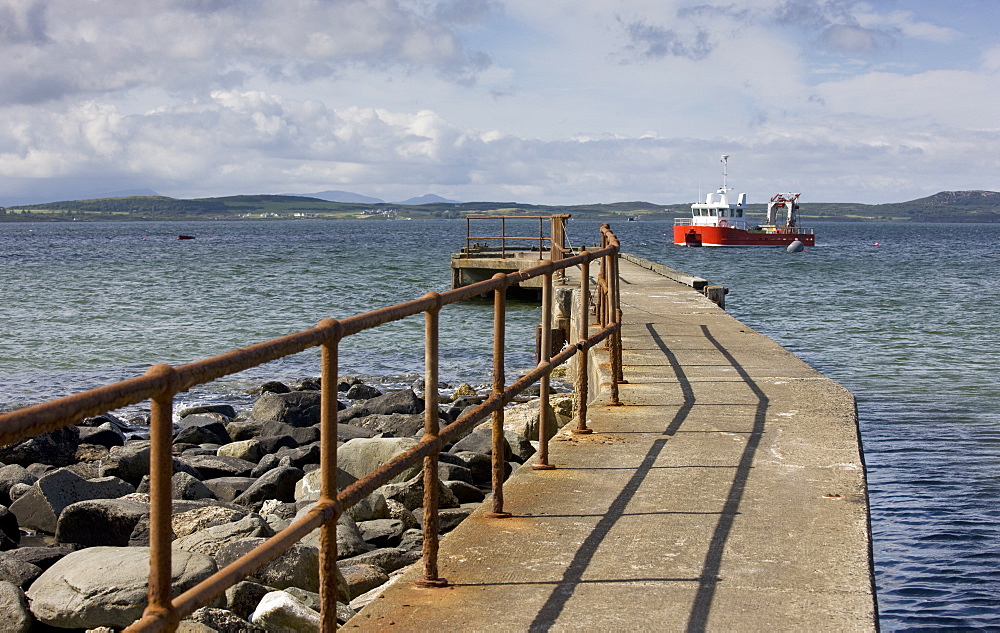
(558, 243)
(503, 238)
(161, 470)
(328, 468)
(616, 297)
(499, 454)
(431, 477)
(542, 463)
(582, 374)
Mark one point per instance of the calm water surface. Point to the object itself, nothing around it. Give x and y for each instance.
(903, 315)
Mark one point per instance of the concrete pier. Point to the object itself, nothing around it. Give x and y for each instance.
(728, 494)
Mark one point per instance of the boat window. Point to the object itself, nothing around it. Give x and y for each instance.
(739, 213)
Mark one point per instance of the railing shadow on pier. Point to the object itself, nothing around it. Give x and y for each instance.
(709, 578)
(162, 383)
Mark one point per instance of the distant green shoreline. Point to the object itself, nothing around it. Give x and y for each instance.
(947, 206)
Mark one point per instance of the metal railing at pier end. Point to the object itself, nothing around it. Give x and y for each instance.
(161, 383)
(556, 239)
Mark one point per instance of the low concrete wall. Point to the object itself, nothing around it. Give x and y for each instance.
(688, 280)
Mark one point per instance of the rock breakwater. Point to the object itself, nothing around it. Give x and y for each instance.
(74, 505)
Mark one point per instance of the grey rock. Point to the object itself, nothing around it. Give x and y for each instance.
(412, 541)
(273, 386)
(399, 512)
(39, 508)
(362, 578)
(221, 621)
(280, 612)
(307, 489)
(275, 436)
(13, 474)
(100, 522)
(187, 487)
(57, 448)
(411, 493)
(371, 507)
(298, 566)
(465, 492)
(9, 529)
(388, 559)
(481, 465)
(43, 557)
(454, 472)
(301, 456)
(394, 424)
(520, 447)
(215, 466)
(75, 592)
(240, 430)
(106, 435)
(405, 401)
(362, 391)
(228, 488)
(349, 541)
(224, 410)
(449, 518)
(278, 483)
(18, 572)
(18, 490)
(129, 462)
(91, 453)
(248, 450)
(243, 597)
(479, 441)
(347, 432)
(212, 540)
(197, 519)
(14, 613)
(382, 532)
(297, 408)
(361, 456)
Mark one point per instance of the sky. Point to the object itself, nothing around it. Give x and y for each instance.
(531, 101)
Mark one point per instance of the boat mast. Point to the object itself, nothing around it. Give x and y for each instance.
(725, 173)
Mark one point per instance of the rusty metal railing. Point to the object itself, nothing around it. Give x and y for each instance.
(161, 383)
(556, 239)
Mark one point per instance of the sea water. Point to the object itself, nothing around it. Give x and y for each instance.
(901, 314)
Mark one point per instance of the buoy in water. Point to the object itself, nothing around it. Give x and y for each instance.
(796, 247)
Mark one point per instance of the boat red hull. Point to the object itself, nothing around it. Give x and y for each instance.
(688, 235)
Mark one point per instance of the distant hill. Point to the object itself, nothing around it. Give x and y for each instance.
(946, 206)
(126, 193)
(334, 195)
(429, 198)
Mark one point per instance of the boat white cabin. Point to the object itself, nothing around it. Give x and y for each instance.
(717, 210)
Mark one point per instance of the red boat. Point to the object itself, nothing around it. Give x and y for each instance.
(718, 222)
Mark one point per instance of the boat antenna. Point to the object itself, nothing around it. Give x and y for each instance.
(725, 172)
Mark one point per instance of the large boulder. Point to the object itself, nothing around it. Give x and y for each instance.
(361, 456)
(280, 611)
(218, 621)
(307, 488)
(57, 448)
(388, 559)
(106, 435)
(405, 401)
(298, 566)
(278, 483)
(296, 408)
(100, 522)
(39, 508)
(10, 533)
(43, 557)
(191, 521)
(10, 475)
(411, 493)
(213, 466)
(394, 424)
(362, 578)
(248, 450)
(228, 488)
(77, 592)
(18, 572)
(523, 419)
(129, 462)
(14, 613)
(213, 539)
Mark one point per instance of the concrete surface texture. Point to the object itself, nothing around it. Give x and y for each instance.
(727, 494)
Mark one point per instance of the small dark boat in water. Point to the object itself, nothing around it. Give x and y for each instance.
(185, 237)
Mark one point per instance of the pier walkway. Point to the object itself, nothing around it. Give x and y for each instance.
(728, 494)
